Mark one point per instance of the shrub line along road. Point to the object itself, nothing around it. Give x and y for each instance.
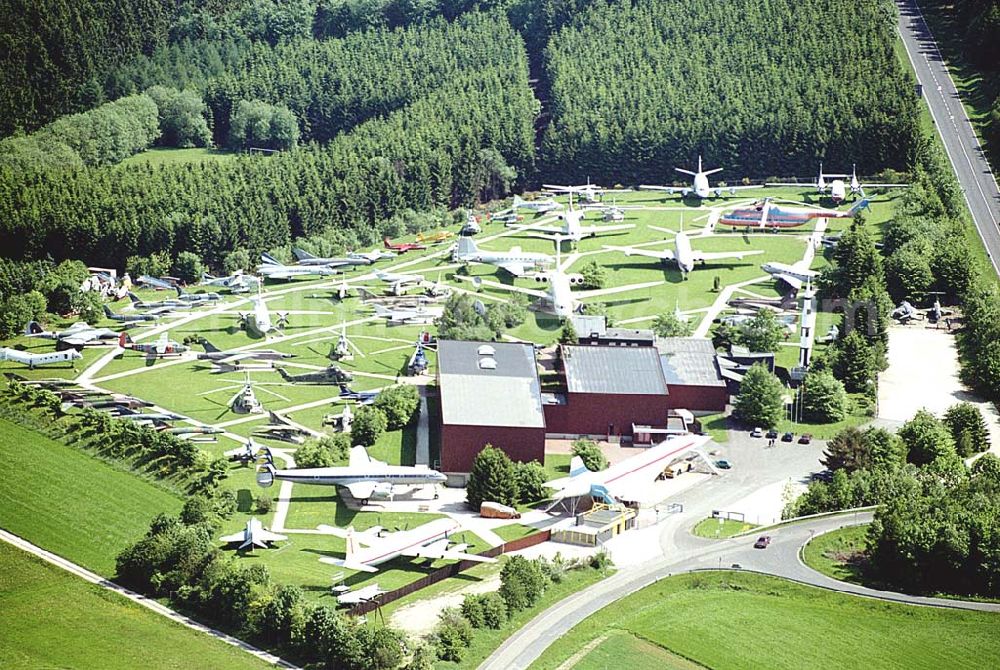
(149, 603)
(781, 559)
(954, 126)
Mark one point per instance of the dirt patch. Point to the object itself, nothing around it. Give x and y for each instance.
(419, 618)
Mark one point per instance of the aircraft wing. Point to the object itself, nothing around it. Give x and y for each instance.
(504, 287)
(515, 268)
(810, 184)
(722, 255)
(885, 185)
(739, 188)
(281, 273)
(463, 556)
(235, 537)
(538, 229)
(433, 550)
(668, 189)
(268, 536)
(79, 340)
(791, 280)
(664, 255)
(614, 289)
(350, 565)
(362, 490)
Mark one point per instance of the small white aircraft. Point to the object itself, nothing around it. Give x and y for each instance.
(252, 536)
(700, 188)
(590, 193)
(258, 322)
(363, 477)
(238, 282)
(272, 268)
(683, 255)
(794, 275)
(838, 187)
(408, 315)
(78, 335)
(515, 261)
(34, 360)
(539, 206)
(372, 256)
(571, 229)
(627, 479)
(367, 550)
(398, 281)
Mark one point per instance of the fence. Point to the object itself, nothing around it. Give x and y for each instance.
(447, 572)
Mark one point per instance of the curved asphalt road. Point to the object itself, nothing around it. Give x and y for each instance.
(960, 142)
(781, 558)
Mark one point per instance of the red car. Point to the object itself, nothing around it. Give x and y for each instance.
(762, 542)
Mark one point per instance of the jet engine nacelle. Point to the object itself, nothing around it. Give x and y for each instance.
(575, 278)
(732, 191)
(718, 193)
(685, 192)
(382, 490)
(542, 278)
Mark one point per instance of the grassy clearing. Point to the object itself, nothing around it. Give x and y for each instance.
(514, 531)
(711, 528)
(485, 640)
(736, 620)
(52, 619)
(71, 503)
(838, 554)
(172, 156)
(619, 646)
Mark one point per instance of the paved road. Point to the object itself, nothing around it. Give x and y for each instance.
(162, 610)
(960, 141)
(691, 553)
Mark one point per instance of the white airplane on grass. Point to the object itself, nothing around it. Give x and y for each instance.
(682, 254)
(588, 192)
(700, 188)
(258, 322)
(398, 281)
(627, 480)
(367, 550)
(407, 315)
(515, 261)
(238, 282)
(272, 268)
(252, 536)
(306, 258)
(363, 477)
(78, 335)
(794, 275)
(538, 206)
(838, 187)
(571, 229)
(34, 360)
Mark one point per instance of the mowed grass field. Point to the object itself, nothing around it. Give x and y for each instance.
(739, 620)
(71, 503)
(51, 619)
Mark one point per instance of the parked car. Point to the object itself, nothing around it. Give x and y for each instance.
(805, 439)
(762, 542)
(788, 437)
(772, 434)
(723, 464)
(756, 432)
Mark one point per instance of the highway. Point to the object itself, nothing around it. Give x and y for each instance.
(692, 553)
(954, 126)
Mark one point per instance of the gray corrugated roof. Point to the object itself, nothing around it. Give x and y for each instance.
(689, 361)
(588, 324)
(507, 395)
(616, 370)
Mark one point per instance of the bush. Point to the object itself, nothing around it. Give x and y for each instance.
(263, 503)
(530, 481)
(522, 583)
(400, 404)
(494, 610)
(759, 402)
(824, 399)
(591, 454)
(452, 635)
(472, 609)
(325, 452)
(369, 424)
(493, 479)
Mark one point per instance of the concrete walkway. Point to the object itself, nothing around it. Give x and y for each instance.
(423, 431)
(148, 603)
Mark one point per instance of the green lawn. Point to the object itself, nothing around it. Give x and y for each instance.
(740, 620)
(514, 531)
(51, 619)
(711, 528)
(71, 503)
(173, 156)
(619, 646)
(839, 553)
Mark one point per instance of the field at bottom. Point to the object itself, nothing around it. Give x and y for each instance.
(739, 620)
(51, 619)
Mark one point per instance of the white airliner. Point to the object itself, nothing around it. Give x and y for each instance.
(515, 261)
(682, 254)
(627, 480)
(362, 477)
(258, 322)
(408, 315)
(539, 206)
(700, 188)
(34, 360)
(793, 275)
(252, 536)
(367, 550)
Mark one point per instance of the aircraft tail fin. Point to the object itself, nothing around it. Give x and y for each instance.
(108, 313)
(302, 255)
(268, 258)
(123, 339)
(33, 328)
(518, 201)
(577, 467)
(857, 207)
(466, 246)
(265, 475)
(283, 372)
(359, 457)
